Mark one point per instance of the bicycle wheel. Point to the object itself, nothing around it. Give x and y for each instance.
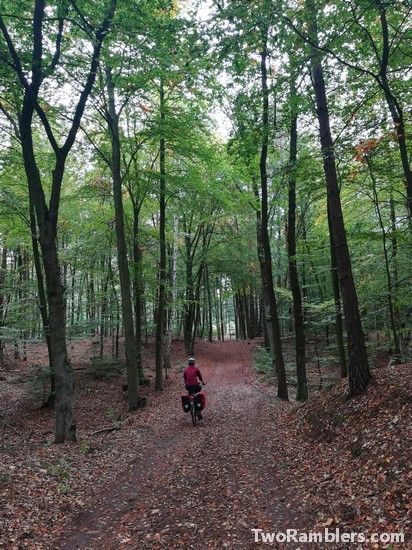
(193, 413)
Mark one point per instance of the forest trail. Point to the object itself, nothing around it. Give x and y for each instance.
(192, 487)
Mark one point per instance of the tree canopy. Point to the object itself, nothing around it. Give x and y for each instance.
(204, 118)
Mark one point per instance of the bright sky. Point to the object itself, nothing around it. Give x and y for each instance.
(202, 7)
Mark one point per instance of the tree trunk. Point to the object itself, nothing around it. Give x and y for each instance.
(358, 368)
(65, 429)
(162, 244)
(127, 309)
(222, 325)
(217, 311)
(42, 301)
(189, 301)
(173, 295)
(395, 274)
(390, 286)
(138, 293)
(209, 308)
(103, 307)
(240, 315)
(338, 309)
(263, 243)
(302, 385)
(253, 316)
(3, 272)
(394, 106)
(63, 372)
(26, 279)
(47, 216)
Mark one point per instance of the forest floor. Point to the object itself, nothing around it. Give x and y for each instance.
(150, 480)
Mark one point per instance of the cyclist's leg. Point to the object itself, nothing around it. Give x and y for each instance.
(196, 414)
(199, 412)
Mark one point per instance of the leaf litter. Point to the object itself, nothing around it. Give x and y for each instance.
(152, 480)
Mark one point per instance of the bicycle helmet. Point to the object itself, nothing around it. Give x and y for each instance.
(191, 361)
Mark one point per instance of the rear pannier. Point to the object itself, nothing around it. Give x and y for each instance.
(200, 401)
(186, 403)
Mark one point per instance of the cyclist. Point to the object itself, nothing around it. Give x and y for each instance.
(193, 377)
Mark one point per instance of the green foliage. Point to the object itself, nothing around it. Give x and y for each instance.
(61, 472)
(112, 414)
(210, 178)
(61, 469)
(105, 368)
(86, 448)
(38, 386)
(262, 361)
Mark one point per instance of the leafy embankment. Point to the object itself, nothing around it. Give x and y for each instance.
(348, 462)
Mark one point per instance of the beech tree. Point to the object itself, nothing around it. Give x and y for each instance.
(299, 325)
(264, 250)
(45, 33)
(358, 367)
(125, 285)
(251, 30)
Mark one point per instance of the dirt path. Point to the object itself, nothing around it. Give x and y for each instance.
(193, 487)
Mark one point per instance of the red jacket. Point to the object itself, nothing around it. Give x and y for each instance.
(191, 376)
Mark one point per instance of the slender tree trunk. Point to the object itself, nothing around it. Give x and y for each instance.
(115, 314)
(209, 307)
(92, 301)
(222, 326)
(80, 288)
(138, 294)
(73, 292)
(103, 313)
(23, 277)
(217, 312)
(189, 302)
(338, 310)
(196, 327)
(162, 243)
(19, 295)
(42, 297)
(173, 284)
(236, 315)
(395, 274)
(303, 270)
(3, 272)
(246, 306)
(253, 316)
(358, 368)
(131, 367)
(240, 316)
(302, 385)
(391, 305)
(394, 106)
(263, 243)
(394, 242)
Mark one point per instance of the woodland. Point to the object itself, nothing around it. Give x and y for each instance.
(204, 172)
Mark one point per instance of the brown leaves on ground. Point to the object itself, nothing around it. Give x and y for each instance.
(150, 480)
(350, 460)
